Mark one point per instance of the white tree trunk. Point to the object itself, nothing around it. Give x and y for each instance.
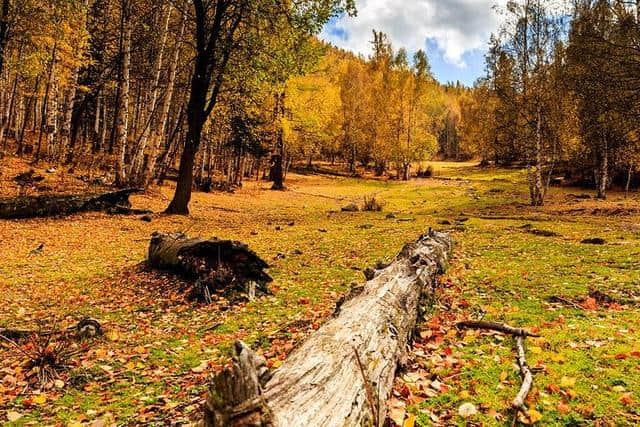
(159, 132)
(137, 161)
(123, 110)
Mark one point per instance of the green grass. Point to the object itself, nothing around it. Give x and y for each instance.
(91, 267)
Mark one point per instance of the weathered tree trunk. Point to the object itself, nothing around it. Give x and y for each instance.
(46, 206)
(343, 374)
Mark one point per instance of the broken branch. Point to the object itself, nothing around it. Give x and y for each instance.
(494, 326)
(527, 376)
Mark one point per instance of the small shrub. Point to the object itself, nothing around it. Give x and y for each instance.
(427, 173)
(371, 204)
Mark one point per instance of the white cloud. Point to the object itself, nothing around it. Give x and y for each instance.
(456, 26)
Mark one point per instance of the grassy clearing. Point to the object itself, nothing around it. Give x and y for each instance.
(153, 363)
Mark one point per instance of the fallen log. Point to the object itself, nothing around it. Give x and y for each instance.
(216, 266)
(116, 202)
(85, 328)
(332, 378)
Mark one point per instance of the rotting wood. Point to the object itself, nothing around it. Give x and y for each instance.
(116, 202)
(322, 382)
(85, 328)
(216, 266)
(236, 398)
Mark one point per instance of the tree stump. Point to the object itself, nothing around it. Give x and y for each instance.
(216, 266)
(343, 374)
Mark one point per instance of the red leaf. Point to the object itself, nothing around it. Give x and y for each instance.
(553, 388)
(590, 304)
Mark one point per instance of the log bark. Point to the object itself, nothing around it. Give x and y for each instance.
(116, 202)
(332, 378)
(215, 265)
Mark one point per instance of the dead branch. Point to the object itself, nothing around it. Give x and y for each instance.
(494, 326)
(527, 376)
(558, 299)
(85, 328)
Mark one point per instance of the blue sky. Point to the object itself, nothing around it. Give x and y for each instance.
(454, 33)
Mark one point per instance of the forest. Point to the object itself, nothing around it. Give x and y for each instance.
(210, 214)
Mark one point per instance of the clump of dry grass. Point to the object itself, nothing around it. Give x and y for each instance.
(371, 204)
(44, 356)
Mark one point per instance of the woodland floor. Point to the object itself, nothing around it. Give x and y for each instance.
(152, 365)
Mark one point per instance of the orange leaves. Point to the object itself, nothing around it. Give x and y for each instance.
(531, 417)
(553, 388)
(627, 399)
(563, 408)
(590, 304)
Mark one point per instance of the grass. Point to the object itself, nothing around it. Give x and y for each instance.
(153, 363)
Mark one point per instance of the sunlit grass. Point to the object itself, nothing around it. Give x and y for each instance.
(91, 266)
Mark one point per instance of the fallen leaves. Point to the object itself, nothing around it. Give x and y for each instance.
(627, 399)
(563, 408)
(532, 416)
(396, 410)
(566, 381)
(13, 416)
(590, 304)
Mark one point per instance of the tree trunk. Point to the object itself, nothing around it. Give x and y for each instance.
(47, 99)
(137, 172)
(70, 99)
(406, 171)
(159, 134)
(603, 180)
(180, 203)
(123, 108)
(277, 169)
(538, 199)
(4, 31)
(343, 374)
(4, 127)
(627, 185)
